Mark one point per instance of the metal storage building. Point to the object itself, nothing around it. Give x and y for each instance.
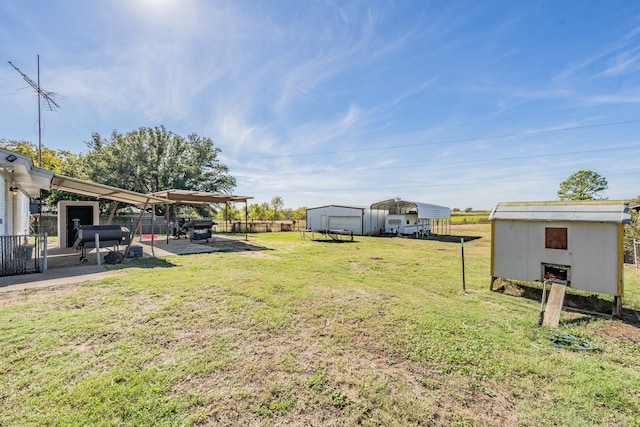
(350, 218)
(578, 243)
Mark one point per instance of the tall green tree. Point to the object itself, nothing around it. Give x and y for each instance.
(147, 160)
(52, 160)
(299, 213)
(582, 185)
(277, 204)
(258, 211)
(154, 159)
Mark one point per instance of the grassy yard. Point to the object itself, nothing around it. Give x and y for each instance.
(301, 332)
(473, 217)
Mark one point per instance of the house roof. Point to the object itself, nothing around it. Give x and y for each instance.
(20, 173)
(424, 210)
(583, 211)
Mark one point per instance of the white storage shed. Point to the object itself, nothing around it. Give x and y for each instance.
(355, 219)
(577, 243)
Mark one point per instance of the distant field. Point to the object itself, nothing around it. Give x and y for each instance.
(473, 217)
(283, 330)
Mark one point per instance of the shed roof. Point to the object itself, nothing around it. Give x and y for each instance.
(424, 210)
(582, 211)
(360, 208)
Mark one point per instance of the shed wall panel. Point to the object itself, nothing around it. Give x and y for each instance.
(351, 223)
(592, 252)
(336, 217)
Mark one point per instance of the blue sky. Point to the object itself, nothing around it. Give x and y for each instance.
(456, 103)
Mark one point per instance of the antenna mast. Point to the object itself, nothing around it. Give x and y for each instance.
(48, 97)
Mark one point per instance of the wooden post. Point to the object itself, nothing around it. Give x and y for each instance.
(635, 253)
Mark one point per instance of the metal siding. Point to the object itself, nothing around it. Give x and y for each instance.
(592, 253)
(510, 250)
(3, 206)
(427, 211)
(322, 218)
(351, 223)
(22, 213)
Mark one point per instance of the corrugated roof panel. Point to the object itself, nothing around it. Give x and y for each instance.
(584, 211)
(424, 210)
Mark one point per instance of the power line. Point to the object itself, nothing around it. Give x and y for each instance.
(437, 185)
(457, 162)
(447, 141)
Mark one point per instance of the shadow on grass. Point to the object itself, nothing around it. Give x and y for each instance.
(333, 241)
(151, 262)
(450, 238)
(596, 304)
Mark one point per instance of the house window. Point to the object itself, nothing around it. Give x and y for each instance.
(555, 238)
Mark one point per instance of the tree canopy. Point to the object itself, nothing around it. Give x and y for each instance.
(154, 159)
(582, 185)
(53, 160)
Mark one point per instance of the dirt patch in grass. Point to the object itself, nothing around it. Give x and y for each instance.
(619, 330)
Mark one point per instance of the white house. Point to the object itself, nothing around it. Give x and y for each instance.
(20, 181)
(577, 243)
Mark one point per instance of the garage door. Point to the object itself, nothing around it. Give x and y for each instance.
(351, 223)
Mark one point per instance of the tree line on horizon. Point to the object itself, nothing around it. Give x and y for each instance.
(146, 160)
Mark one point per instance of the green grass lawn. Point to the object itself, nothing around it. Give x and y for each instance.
(473, 217)
(374, 332)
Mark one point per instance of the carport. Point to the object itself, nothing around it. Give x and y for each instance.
(102, 191)
(189, 197)
(433, 218)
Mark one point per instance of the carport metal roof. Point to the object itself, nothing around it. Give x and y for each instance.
(424, 210)
(101, 191)
(200, 197)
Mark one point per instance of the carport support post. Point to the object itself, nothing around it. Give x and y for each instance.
(153, 226)
(113, 212)
(166, 221)
(138, 225)
(246, 217)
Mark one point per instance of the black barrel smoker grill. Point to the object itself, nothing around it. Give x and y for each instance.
(194, 228)
(109, 236)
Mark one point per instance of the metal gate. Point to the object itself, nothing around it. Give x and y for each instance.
(23, 254)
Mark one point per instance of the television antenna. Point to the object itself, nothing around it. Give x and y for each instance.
(42, 94)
